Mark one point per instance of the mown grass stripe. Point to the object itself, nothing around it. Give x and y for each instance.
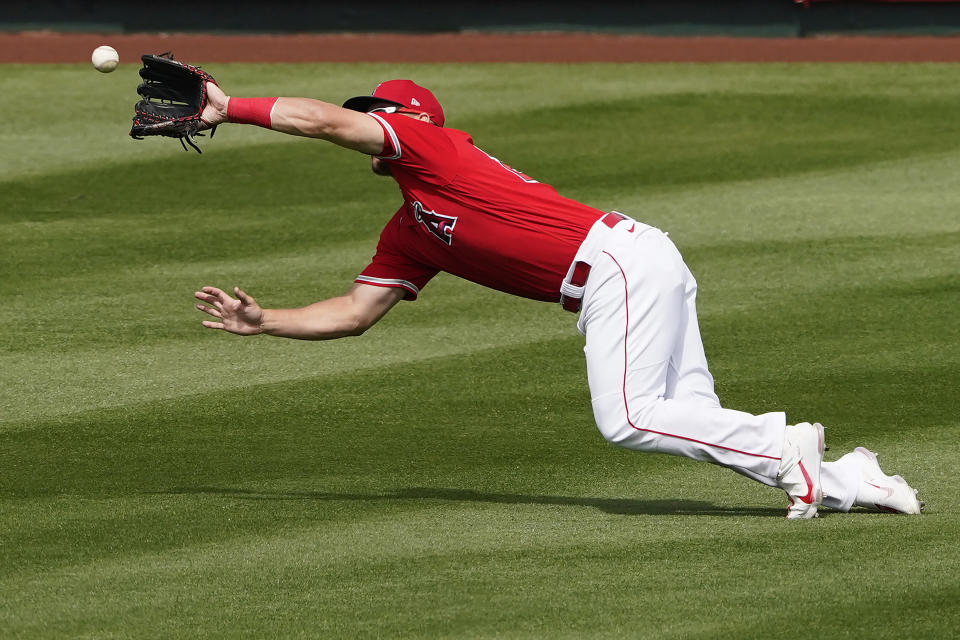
(442, 476)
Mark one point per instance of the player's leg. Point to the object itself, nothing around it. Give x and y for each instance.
(632, 318)
(856, 480)
(839, 480)
(688, 376)
(635, 315)
(642, 302)
(689, 380)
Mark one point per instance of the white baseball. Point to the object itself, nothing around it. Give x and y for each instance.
(105, 59)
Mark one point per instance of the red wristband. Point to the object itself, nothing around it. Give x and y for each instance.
(250, 111)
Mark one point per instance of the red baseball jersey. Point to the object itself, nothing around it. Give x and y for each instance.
(467, 213)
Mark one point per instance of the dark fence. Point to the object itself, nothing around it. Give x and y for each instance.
(783, 18)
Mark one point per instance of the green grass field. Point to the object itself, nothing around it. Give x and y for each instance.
(441, 477)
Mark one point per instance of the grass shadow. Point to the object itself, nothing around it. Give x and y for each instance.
(616, 506)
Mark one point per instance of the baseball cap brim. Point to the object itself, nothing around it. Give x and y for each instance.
(365, 103)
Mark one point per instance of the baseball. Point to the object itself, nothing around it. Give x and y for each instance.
(105, 59)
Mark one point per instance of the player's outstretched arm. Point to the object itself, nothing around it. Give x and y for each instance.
(297, 116)
(347, 315)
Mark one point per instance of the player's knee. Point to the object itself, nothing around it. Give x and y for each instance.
(620, 428)
(613, 431)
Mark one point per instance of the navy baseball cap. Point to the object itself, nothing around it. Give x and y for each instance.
(402, 93)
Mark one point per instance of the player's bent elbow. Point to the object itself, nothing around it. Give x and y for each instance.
(359, 325)
(368, 304)
(358, 330)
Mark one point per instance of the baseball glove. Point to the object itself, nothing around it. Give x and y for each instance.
(173, 97)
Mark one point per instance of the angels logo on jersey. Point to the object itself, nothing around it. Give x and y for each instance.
(436, 223)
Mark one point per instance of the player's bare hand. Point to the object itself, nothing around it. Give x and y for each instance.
(215, 112)
(241, 315)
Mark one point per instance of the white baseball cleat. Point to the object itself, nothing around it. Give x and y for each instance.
(799, 474)
(880, 492)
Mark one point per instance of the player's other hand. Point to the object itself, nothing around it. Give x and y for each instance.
(215, 111)
(241, 315)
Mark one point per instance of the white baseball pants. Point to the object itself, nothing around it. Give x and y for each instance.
(649, 381)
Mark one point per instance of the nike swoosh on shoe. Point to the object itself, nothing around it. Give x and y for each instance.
(807, 499)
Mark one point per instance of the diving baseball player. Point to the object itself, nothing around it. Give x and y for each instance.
(469, 214)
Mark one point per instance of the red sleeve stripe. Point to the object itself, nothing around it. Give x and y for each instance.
(393, 138)
(389, 282)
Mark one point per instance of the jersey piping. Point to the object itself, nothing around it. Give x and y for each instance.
(389, 282)
(394, 140)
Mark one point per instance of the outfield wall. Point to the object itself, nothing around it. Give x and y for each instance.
(766, 18)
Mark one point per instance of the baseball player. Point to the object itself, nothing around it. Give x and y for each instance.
(468, 213)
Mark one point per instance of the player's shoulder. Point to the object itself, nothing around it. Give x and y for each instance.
(458, 136)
